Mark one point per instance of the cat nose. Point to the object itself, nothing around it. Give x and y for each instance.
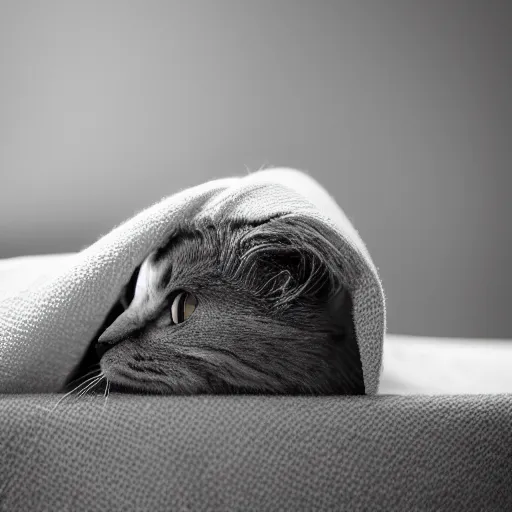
(122, 326)
(104, 343)
(101, 348)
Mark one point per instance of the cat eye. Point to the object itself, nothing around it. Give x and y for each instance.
(183, 305)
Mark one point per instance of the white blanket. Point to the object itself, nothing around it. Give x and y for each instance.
(445, 366)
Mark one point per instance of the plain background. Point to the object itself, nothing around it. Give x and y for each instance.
(401, 109)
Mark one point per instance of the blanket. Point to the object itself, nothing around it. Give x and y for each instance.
(49, 315)
(427, 365)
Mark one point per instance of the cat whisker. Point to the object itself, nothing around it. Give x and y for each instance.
(90, 386)
(107, 393)
(107, 389)
(89, 380)
(92, 371)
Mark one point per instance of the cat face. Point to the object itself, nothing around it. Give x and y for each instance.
(235, 309)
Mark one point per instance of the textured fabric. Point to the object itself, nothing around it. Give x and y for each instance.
(49, 318)
(258, 453)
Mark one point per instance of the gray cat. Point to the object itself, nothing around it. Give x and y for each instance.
(236, 308)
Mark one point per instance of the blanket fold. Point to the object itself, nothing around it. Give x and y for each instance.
(52, 307)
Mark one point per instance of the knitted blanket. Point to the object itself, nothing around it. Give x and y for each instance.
(51, 312)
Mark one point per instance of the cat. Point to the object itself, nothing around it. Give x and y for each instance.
(236, 308)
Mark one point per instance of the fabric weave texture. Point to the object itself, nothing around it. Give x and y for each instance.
(226, 453)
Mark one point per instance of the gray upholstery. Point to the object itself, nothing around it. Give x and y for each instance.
(256, 453)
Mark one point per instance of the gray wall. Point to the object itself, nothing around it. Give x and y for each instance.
(400, 108)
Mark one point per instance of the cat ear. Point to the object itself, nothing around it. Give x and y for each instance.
(291, 258)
